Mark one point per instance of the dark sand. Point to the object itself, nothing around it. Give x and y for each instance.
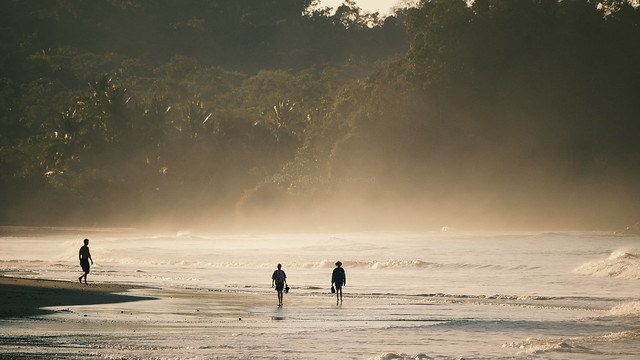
(25, 297)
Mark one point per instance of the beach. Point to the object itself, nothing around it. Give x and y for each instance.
(414, 296)
(69, 320)
(25, 297)
(39, 317)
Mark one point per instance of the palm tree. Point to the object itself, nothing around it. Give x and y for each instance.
(106, 110)
(284, 121)
(195, 118)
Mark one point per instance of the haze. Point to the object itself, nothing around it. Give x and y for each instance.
(254, 115)
(384, 7)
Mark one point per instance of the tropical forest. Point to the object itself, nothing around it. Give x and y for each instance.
(287, 115)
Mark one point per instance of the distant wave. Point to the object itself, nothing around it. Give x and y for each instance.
(547, 235)
(622, 263)
(388, 264)
(375, 264)
(406, 264)
(17, 261)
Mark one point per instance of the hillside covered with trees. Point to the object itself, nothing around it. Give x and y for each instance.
(282, 115)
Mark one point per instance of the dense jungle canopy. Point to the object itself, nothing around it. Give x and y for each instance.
(282, 115)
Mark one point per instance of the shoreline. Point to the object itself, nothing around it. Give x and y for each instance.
(22, 297)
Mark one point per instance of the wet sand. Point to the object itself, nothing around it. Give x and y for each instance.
(44, 319)
(25, 297)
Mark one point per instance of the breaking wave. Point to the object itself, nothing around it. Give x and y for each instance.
(580, 344)
(629, 308)
(622, 263)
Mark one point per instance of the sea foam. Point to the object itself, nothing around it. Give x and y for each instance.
(408, 264)
(579, 344)
(400, 356)
(628, 308)
(622, 263)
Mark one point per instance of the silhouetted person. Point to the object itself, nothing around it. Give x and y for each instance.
(339, 278)
(85, 256)
(279, 278)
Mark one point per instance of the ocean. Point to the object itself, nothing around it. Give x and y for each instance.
(409, 295)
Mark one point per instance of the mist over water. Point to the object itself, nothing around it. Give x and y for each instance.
(536, 295)
(475, 166)
(438, 256)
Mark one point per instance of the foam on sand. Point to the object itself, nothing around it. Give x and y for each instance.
(400, 356)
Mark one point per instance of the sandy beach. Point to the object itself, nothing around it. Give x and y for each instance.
(429, 296)
(68, 320)
(24, 297)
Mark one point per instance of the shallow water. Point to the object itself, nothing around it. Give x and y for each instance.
(441, 295)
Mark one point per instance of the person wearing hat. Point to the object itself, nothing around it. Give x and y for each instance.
(339, 279)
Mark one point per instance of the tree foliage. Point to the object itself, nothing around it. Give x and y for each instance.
(117, 113)
(512, 106)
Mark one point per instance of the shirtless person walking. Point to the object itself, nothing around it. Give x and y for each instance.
(85, 256)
